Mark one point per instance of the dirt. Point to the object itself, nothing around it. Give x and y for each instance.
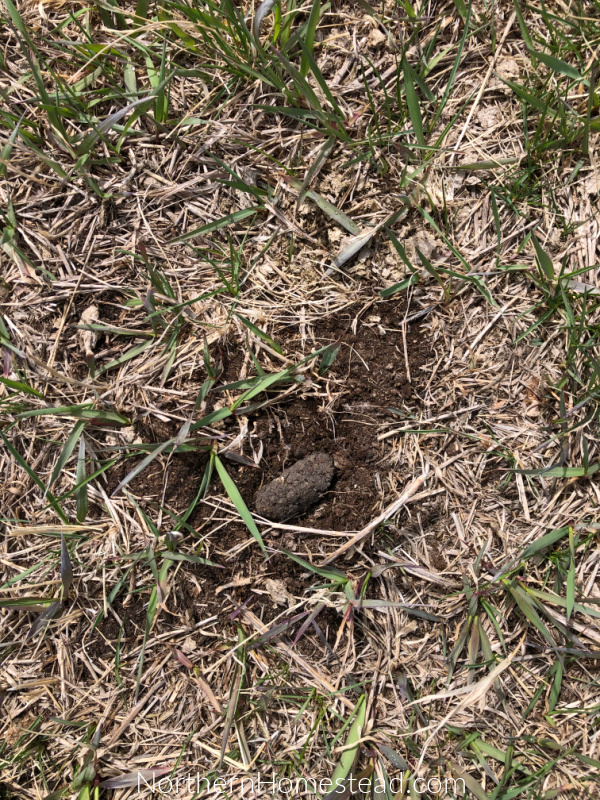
(338, 418)
(367, 379)
(366, 385)
(297, 490)
(181, 473)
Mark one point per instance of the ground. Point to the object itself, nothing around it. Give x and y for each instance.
(237, 234)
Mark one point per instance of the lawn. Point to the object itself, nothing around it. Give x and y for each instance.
(237, 235)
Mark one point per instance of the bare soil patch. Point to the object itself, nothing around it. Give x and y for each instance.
(367, 383)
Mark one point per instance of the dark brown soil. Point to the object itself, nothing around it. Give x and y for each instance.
(182, 472)
(339, 416)
(367, 379)
(133, 616)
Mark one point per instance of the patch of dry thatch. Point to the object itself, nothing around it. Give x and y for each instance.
(149, 658)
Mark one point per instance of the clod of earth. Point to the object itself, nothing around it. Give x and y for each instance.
(297, 489)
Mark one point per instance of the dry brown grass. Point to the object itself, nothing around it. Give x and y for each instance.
(450, 655)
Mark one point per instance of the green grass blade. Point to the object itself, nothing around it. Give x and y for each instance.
(238, 502)
(530, 99)
(314, 169)
(309, 39)
(339, 130)
(556, 672)
(261, 334)
(400, 286)
(571, 577)
(458, 647)
(127, 356)
(141, 11)
(18, 386)
(331, 210)
(543, 259)
(192, 559)
(329, 356)
(87, 415)
(24, 465)
(554, 599)
(524, 29)
(330, 573)
(556, 65)
(454, 69)
(81, 495)
(261, 386)
(547, 540)
(412, 101)
(150, 615)
(25, 603)
(217, 224)
(66, 451)
(585, 145)
(142, 465)
(210, 419)
(66, 569)
(528, 610)
(349, 756)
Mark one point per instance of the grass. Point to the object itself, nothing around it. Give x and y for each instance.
(193, 195)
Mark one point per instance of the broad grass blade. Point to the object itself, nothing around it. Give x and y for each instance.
(349, 755)
(528, 610)
(556, 64)
(547, 540)
(309, 39)
(217, 224)
(19, 386)
(238, 502)
(262, 384)
(66, 451)
(329, 356)
(25, 603)
(554, 599)
(412, 101)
